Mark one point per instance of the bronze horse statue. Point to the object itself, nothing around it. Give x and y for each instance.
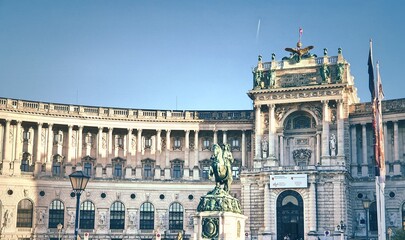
(221, 167)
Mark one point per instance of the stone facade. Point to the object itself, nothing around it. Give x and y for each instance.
(307, 123)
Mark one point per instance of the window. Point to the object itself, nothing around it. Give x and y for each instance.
(176, 217)
(147, 217)
(206, 144)
(235, 172)
(177, 171)
(56, 214)
(117, 170)
(205, 169)
(119, 141)
(25, 162)
(56, 169)
(58, 138)
(87, 167)
(26, 136)
(177, 168)
(24, 213)
(117, 216)
(177, 144)
(235, 144)
(148, 142)
(147, 172)
(87, 213)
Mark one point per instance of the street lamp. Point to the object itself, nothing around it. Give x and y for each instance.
(341, 227)
(366, 205)
(79, 182)
(59, 227)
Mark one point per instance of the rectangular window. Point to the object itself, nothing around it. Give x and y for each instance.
(56, 169)
(25, 167)
(147, 172)
(117, 170)
(148, 142)
(177, 143)
(206, 144)
(205, 172)
(87, 168)
(235, 172)
(177, 171)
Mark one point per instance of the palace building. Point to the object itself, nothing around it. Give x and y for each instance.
(303, 161)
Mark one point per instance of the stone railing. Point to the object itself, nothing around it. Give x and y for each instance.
(389, 106)
(75, 110)
(318, 61)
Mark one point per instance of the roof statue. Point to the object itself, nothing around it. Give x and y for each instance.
(298, 53)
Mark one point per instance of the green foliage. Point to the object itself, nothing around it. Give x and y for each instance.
(398, 234)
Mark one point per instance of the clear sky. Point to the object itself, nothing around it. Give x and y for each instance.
(185, 55)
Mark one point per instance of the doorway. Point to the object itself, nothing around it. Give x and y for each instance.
(290, 216)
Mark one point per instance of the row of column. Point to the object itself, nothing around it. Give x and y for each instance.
(365, 146)
(326, 143)
(44, 153)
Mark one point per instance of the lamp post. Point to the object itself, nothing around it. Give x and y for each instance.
(341, 227)
(366, 205)
(79, 182)
(59, 227)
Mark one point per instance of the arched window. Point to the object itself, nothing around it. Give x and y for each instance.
(117, 216)
(24, 213)
(299, 120)
(56, 213)
(87, 215)
(372, 216)
(176, 217)
(147, 216)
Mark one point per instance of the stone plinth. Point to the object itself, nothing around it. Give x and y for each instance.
(219, 225)
(219, 217)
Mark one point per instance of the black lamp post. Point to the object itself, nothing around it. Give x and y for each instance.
(79, 182)
(366, 205)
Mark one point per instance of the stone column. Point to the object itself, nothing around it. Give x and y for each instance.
(18, 149)
(258, 136)
(354, 149)
(340, 130)
(110, 142)
(49, 149)
(69, 144)
(38, 153)
(215, 137)
(7, 151)
(196, 148)
(364, 148)
(168, 148)
(99, 143)
(224, 137)
(325, 129)
(318, 148)
(138, 147)
(282, 150)
(396, 155)
(243, 150)
(159, 140)
(313, 204)
(272, 130)
(79, 144)
(128, 147)
(386, 142)
(187, 149)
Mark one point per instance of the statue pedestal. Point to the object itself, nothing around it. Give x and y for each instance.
(219, 217)
(219, 225)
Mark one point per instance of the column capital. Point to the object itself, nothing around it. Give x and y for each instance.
(80, 127)
(7, 120)
(70, 126)
(129, 130)
(50, 125)
(168, 131)
(40, 123)
(18, 121)
(110, 129)
(271, 106)
(325, 101)
(196, 131)
(100, 129)
(187, 131)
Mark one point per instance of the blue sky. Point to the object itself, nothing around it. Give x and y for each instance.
(185, 55)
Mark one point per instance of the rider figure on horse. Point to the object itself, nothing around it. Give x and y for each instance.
(221, 167)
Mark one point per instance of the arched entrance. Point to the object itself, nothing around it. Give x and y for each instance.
(290, 216)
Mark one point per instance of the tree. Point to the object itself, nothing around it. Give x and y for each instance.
(398, 234)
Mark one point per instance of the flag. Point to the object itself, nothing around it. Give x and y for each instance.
(380, 159)
(371, 84)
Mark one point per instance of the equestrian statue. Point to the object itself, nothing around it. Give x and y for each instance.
(221, 167)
